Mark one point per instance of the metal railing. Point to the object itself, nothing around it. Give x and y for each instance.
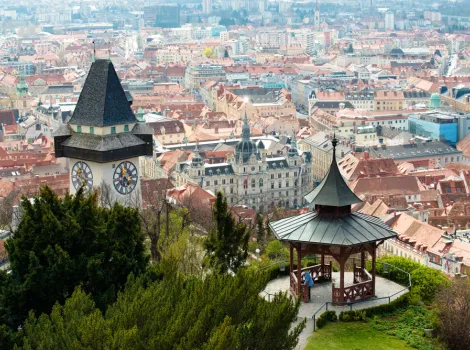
(351, 303)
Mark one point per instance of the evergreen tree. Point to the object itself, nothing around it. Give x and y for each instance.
(260, 228)
(350, 49)
(61, 244)
(227, 244)
(226, 54)
(170, 311)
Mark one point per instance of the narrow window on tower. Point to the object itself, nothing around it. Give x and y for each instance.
(113, 130)
(126, 128)
(92, 130)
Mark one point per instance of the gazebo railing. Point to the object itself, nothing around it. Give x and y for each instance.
(361, 274)
(358, 291)
(293, 283)
(318, 272)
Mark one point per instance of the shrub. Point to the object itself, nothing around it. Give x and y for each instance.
(453, 305)
(425, 281)
(389, 308)
(327, 316)
(276, 250)
(252, 246)
(353, 315)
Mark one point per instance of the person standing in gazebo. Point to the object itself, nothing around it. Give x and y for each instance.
(309, 283)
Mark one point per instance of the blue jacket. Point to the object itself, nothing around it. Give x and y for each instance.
(308, 280)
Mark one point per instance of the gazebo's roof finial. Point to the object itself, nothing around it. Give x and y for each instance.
(334, 142)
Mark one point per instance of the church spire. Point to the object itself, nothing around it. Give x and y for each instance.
(293, 142)
(246, 133)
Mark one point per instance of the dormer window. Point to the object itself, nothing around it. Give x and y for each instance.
(92, 130)
(79, 128)
(113, 130)
(126, 128)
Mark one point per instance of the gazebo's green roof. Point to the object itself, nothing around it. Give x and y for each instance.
(333, 190)
(347, 230)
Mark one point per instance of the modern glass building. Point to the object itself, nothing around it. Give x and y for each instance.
(436, 125)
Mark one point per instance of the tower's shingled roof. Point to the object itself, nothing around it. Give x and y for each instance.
(102, 101)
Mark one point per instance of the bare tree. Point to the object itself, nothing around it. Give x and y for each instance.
(453, 303)
(156, 208)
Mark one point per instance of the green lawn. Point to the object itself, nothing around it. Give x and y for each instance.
(353, 336)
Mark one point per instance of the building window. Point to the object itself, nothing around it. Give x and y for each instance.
(279, 175)
(223, 182)
(272, 176)
(272, 185)
(260, 183)
(231, 190)
(287, 174)
(79, 128)
(280, 184)
(92, 130)
(231, 181)
(113, 130)
(216, 182)
(287, 183)
(253, 183)
(126, 128)
(208, 183)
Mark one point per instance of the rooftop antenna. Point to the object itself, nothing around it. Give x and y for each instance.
(94, 51)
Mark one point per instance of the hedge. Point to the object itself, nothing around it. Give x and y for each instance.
(425, 281)
(384, 309)
(327, 316)
(353, 315)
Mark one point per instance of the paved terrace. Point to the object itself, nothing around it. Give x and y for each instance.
(321, 293)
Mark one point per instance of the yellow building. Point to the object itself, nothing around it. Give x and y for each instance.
(389, 100)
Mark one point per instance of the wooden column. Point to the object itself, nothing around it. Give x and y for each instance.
(291, 269)
(299, 268)
(373, 267)
(322, 262)
(291, 258)
(363, 260)
(341, 277)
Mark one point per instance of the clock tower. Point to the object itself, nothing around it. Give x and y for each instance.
(104, 140)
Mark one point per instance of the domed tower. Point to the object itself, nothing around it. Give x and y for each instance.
(246, 147)
(22, 87)
(293, 152)
(197, 163)
(435, 101)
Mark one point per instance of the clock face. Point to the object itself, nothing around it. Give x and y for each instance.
(125, 177)
(82, 176)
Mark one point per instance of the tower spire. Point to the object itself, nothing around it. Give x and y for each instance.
(293, 142)
(246, 133)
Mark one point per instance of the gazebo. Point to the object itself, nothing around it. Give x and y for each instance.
(331, 229)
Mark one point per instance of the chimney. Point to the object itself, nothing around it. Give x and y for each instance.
(342, 154)
(427, 180)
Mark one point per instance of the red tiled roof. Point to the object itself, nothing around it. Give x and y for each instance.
(7, 117)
